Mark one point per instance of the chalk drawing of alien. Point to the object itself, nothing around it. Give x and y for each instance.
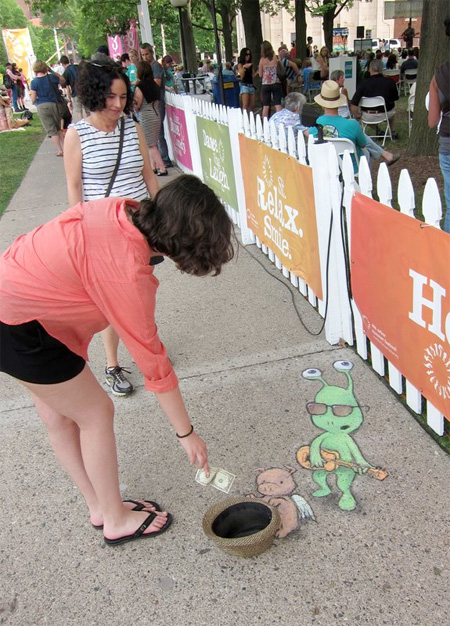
(336, 412)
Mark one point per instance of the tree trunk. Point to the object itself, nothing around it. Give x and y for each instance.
(226, 30)
(300, 28)
(434, 51)
(327, 25)
(186, 24)
(251, 17)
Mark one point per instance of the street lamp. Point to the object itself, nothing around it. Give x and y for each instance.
(180, 4)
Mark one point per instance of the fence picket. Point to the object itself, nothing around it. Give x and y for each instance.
(266, 131)
(431, 204)
(365, 178)
(384, 185)
(405, 194)
(259, 128)
(252, 125)
(292, 150)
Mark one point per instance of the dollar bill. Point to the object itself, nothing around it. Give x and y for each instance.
(203, 479)
(223, 480)
(218, 478)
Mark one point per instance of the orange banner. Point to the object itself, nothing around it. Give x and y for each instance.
(401, 283)
(279, 199)
(18, 46)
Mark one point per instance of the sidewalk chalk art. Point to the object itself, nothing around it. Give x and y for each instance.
(279, 200)
(176, 121)
(276, 485)
(217, 160)
(336, 411)
(403, 294)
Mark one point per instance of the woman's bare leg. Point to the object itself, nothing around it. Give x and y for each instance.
(156, 159)
(245, 97)
(111, 344)
(89, 449)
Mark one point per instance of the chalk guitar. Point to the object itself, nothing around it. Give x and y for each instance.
(332, 461)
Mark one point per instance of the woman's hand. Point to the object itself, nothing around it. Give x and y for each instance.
(195, 448)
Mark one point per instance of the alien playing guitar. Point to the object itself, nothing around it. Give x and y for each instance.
(336, 412)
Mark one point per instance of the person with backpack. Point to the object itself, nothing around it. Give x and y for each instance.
(70, 76)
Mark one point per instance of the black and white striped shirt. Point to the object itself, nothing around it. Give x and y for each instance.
(99, 150)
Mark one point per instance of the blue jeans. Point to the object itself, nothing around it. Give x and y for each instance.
(162, 144)
(14, 96)
(444, 162)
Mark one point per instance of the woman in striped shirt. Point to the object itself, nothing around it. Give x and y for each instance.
(90, 154)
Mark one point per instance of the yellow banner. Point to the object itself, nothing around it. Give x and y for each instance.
(19, 49)
(279, 198)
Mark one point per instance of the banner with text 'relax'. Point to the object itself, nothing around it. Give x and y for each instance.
(279, 199)
(217, 160)
(401, 284)
(176, 121)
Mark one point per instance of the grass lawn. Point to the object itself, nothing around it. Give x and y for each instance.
(17, 150)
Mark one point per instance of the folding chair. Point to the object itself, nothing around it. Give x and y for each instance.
(341, 144)
(310, 87)
(409, 78)
(371, 117)
(410, 111)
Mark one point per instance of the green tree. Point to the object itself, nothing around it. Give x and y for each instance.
(434, 51)
(12, 17)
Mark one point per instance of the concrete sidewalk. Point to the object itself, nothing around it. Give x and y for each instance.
(239, 351)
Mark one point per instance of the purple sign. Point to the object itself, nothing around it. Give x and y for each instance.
(179, 136)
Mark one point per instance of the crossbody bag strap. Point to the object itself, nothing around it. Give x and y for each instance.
(55, 90)
(119, 155)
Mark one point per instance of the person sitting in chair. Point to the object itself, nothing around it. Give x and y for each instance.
(376, 85)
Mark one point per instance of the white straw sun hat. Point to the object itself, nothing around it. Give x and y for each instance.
(330, 96)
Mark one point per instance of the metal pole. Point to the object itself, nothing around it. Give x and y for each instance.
(218, 52)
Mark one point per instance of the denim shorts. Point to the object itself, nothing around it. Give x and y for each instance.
(250, 89)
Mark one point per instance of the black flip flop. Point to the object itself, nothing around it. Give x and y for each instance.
(394, 160)
(139, 507)
(139, 534)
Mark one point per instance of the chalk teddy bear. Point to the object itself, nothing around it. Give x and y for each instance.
(277, 485)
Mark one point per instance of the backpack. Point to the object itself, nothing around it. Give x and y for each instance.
(281, 71)
(7, 81)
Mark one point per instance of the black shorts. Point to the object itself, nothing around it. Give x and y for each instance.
(29, 353)
(269, 91)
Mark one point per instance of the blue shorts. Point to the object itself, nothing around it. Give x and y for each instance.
(250, 89)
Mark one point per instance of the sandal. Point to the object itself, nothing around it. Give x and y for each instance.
(139, 507)
(139, 534)
(60, 154)
(162, 173)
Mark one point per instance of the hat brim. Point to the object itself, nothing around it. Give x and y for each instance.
(331, 104)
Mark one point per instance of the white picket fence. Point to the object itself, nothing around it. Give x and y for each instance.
(333, 182)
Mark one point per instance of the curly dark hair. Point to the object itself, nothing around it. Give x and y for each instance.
(94, 82)
(187, 222)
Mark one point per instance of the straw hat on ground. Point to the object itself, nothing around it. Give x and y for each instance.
(330, 96)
